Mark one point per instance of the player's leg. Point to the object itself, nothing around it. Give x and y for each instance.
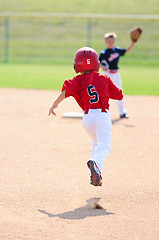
(90, 127)
(102, 148)
(103, 133)
(89, 123)
(94, 144)
(117, 81)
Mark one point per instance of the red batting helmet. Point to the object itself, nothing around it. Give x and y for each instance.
(86, 59)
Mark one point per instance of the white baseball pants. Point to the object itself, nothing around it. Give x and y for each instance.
(115, 77)
(98, 126)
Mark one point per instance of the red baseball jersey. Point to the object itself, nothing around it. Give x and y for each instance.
(92, 90)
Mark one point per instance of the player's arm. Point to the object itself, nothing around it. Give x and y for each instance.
(59, 99)
(105, 68)
(130, 47)
(103, 63)
(114, 92)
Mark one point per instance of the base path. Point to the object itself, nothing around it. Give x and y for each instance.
(44, 182)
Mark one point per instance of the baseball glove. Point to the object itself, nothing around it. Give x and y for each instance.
(135, 34)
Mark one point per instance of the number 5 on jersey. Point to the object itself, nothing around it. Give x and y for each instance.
(93, 94)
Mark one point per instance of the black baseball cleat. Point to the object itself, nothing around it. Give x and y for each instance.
(124, 116)
(96, 178)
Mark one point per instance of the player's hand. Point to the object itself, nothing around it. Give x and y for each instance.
(105, 68)
(51, 110)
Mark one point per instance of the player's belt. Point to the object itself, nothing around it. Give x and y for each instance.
(113, 71)
(101, 109)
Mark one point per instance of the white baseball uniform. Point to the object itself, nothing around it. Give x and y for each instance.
(98, 126)
(110, 59)
(115, 77)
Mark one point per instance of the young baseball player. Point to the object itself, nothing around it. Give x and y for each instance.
(92, 91)
(109, 59)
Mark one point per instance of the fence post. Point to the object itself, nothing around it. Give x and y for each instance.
(6, 43)
(89, 32)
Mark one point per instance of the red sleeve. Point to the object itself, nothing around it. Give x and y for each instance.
(114, 92)
(70, 85)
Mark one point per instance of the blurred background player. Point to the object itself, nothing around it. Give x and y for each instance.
(109, 59)
(92, 91)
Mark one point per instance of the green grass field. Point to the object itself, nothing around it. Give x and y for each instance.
(82, 6)
(136, 80)
(55, 40)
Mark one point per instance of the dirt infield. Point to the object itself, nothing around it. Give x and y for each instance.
(44, 182)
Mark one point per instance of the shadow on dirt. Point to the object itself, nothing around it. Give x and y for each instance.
(114, 121)
(80, 213)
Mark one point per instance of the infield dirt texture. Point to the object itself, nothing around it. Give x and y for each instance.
(44, 183)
